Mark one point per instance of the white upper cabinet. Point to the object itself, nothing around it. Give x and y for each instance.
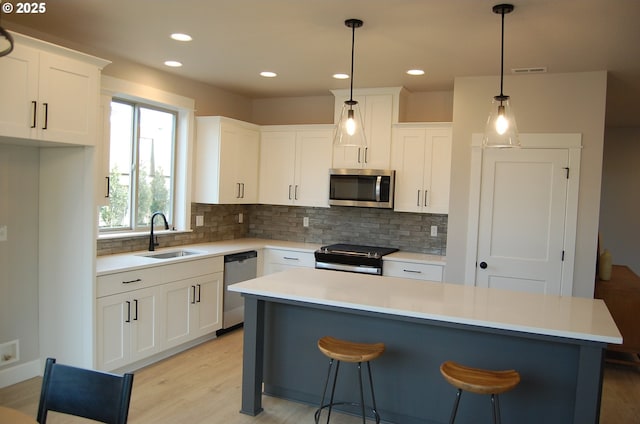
(294, 165)
(380, 108)
(226, 161)
(49, 93)
(421, 156)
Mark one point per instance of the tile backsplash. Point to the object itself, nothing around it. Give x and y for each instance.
(367, 226)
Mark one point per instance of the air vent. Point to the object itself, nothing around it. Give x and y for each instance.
(536, 70)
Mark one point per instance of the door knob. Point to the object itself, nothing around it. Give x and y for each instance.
(483, 265)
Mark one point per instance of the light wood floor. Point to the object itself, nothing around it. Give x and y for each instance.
(202, 385)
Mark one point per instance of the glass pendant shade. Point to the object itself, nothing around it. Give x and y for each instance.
(501, 129)
(350, 129)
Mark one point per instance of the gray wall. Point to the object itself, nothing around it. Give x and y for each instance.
(19, 173)
(620, 203)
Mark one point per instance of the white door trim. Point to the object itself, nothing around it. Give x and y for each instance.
(571, 142)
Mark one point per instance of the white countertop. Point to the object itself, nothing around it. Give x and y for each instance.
(109, 264)
(569, 317)
(120, 262)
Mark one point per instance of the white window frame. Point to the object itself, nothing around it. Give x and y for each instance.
(184, 106)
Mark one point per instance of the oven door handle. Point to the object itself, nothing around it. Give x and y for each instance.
(349, 268)
(378, 185)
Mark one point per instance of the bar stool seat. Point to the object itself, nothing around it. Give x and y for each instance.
(479, 381)
(353, 352)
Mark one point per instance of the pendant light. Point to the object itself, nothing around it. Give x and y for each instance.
(6, 40)
(501, 129)
(350, 130)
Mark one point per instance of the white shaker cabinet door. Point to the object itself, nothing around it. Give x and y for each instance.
(313, 160)
(19, 88)
(69, 100)
(277, 161)
(113, 332)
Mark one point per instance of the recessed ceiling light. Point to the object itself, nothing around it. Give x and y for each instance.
(181, 37)
(415, 72)
(268, 74)
(173, 63)
(341, 76)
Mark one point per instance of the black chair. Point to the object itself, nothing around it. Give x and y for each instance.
(95, 395)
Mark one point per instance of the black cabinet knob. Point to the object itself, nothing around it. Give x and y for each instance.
(483, 265)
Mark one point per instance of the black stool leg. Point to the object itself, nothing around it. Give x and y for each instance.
(324, 391)
(364, 419)
(455, 407)
(333, 390)
(495, 402)
(373, 397)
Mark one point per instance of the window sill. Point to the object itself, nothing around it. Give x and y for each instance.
(133, 234)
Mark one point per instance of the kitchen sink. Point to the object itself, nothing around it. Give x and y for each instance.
(172, 254)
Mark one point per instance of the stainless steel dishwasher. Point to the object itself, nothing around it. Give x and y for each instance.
(237, 267)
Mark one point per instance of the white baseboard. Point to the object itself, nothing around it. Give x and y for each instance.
(20, 372)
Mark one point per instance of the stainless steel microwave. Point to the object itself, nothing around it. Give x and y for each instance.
(370, 188)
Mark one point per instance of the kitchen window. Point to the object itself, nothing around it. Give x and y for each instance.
(141, 166)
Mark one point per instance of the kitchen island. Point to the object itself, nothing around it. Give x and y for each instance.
(556, 343)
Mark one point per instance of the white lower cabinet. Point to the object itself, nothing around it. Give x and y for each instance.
(128, 326)
(193, 307)
(144, 312)
(413, 270)
(276, 260)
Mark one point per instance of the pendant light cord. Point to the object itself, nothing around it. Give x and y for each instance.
(501, 55)
(353, 42)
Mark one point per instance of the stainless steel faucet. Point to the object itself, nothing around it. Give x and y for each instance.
(153, 243)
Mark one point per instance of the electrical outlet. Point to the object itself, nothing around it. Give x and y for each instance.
(199, 220)
(305, 221)
(434, 231)
(240, 218)
(3, 233)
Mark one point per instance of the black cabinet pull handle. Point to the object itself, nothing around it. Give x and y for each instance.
(107, 194)
(412, 271)
(199, 292)
(128, 312)
(46, 116)
(35, 113)
(193, 295)
(137, 280)
(135, 302)
(483, 265)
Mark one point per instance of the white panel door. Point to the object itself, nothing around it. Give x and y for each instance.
(523, 199)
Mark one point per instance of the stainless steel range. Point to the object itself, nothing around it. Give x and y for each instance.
(352, 258)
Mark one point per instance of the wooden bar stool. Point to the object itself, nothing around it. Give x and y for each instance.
(346, 351)
(479, 381)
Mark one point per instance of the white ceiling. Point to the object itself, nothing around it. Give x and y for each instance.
(306, 41)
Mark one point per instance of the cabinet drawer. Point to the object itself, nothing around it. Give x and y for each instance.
(289, 257)
(122, 282)
(412, 270)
